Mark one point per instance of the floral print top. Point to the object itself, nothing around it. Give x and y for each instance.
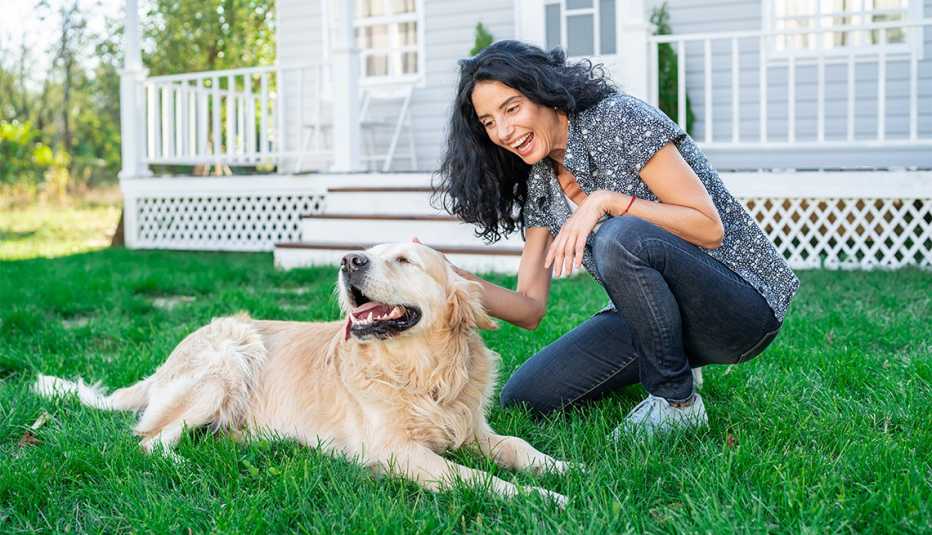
(608, 144)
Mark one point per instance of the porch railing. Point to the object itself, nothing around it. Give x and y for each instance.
(804, 98)
(233, 117)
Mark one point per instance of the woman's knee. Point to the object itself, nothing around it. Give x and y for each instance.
(620, 242)
(519, 393)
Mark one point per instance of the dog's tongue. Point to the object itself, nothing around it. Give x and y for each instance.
(376, 308)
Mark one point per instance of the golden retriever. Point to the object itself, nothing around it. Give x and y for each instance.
(404, 378)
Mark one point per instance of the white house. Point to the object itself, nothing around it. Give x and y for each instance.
(818, 114)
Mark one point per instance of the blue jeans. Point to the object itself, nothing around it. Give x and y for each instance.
(676, 308)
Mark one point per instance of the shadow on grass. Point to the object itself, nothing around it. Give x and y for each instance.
(14, 235)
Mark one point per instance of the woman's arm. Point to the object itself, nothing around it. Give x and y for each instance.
(685, 209)
(524, 307)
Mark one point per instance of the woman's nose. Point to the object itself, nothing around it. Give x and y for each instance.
(505, 131)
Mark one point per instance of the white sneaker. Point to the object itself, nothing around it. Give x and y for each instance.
(655, 415)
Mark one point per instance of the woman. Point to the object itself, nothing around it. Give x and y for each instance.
(600, 179)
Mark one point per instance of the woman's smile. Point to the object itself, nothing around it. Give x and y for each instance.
(525, 147)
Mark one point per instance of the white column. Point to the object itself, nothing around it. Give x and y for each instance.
(132, 99)
(346, 137)
(633, 33)
(529, 22)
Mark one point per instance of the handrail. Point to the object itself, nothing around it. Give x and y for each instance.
(231, 72)
(696, 36)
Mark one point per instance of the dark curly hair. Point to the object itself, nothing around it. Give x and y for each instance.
(480, 182)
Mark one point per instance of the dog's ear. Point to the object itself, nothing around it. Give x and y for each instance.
(464, 306)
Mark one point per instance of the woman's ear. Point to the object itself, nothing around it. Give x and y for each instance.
(464, 306)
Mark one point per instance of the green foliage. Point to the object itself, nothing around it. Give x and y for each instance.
(667, 74)
(23, 157)
(483, 39)
(187, 36)
(75, 106)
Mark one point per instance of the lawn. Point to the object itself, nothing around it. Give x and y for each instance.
(72, 226)
(827, 431)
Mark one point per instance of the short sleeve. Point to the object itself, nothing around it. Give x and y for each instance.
(637, 129)
(533, 216)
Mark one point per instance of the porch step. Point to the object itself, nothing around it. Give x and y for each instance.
(381, 228)
(483, 259)
(358, 215)
(381, 200)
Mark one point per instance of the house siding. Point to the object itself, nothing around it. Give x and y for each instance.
(449, 34)
(300, 42)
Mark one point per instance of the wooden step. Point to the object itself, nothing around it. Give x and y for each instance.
(382, 228)
(379, 199)
(481, 259)
(380, 189)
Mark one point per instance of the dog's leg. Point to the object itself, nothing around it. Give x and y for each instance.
(179, 406)
(515, 453)
(433, 472)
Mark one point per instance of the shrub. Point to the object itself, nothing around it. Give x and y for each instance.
(667, 69)
(483, 39)
(22, 157)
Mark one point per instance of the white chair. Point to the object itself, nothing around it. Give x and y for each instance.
(384, 113)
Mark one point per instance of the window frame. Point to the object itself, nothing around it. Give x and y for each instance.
(595, 11)
(394, 51)
(913, 45)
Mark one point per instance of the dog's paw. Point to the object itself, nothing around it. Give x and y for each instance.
(557, 498)
(549, 465)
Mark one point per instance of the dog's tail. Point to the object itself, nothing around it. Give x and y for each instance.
(132, 397)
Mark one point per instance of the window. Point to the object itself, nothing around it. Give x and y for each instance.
(389, 35)
(581, 27)
(793, 15)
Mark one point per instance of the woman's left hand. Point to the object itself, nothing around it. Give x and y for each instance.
(566, 251)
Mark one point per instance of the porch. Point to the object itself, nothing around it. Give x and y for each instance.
(856, 127)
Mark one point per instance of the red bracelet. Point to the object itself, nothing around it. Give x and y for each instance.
(628, 207)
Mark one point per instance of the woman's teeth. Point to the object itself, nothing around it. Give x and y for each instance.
(525, 143)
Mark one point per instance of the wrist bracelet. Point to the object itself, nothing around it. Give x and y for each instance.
(629, 206)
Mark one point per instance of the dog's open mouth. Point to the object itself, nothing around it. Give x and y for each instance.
(374, 318)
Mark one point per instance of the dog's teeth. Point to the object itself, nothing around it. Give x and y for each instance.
(370, 317)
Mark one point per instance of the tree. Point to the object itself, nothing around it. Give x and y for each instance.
(75, 106)
(185, 36)
(71, 45)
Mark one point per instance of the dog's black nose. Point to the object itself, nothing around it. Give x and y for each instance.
(353, 262)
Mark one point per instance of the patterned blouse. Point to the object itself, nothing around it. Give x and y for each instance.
(608, 144)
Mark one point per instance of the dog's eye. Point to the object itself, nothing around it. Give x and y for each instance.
(402, 260)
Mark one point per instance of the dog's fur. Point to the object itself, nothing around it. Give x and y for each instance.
(392, 400)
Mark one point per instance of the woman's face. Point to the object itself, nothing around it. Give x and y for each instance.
(516, 123)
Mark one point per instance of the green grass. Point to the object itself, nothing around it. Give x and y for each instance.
(52, 230)
(827, 431)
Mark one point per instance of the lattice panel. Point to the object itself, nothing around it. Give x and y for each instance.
(227, 223)
(847, 233)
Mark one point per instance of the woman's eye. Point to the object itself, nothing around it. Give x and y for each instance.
(512, 109)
